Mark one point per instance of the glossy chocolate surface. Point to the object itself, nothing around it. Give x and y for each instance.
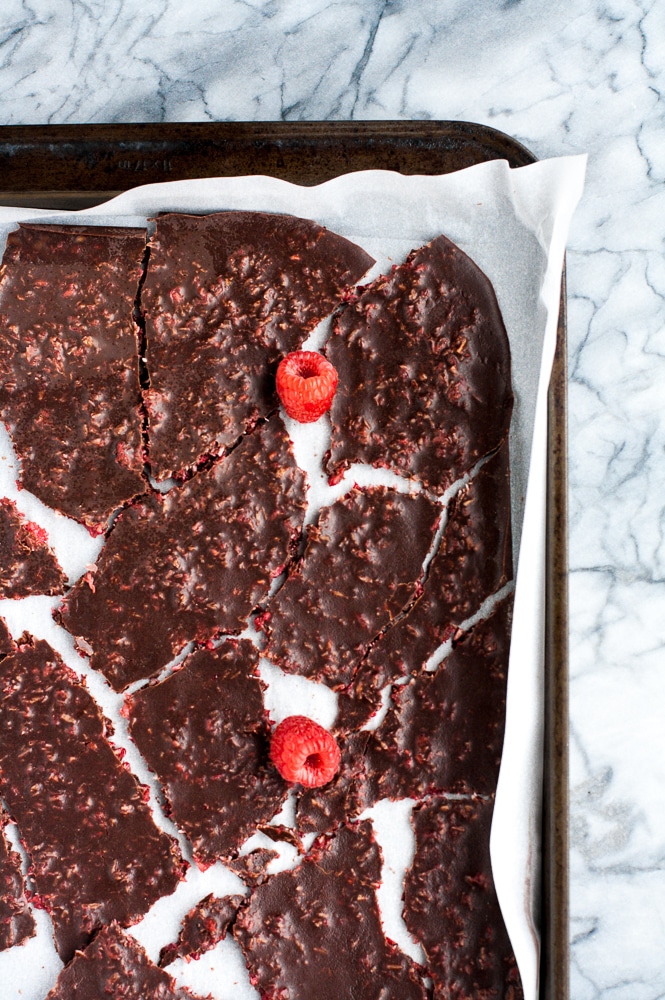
(27, 564)
(17, 923)
(204, 926)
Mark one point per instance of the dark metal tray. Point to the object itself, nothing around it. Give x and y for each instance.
(76, 166)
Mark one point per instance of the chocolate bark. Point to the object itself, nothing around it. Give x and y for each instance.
(16, 921)
(69, 387)
(473, 561)
(226, 295)
(7, 644)
(96, 854)
(202, 928)
(115, 965)
(204, 733)
(192, 563)
(450, 903)
(362, 564)
(316, 931)
(252, 868)
(27, 564)
(424, 370)
(444, 730)
(321, 810)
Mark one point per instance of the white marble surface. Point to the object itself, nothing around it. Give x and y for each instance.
(584, 76)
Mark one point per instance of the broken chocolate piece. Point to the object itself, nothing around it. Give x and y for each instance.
(284, 834)
(7, 644)
(69, 385)
(226, 295)
(204, 732)
(115, 965)
(362, 564)
(450, 904)
(202, 928)
(444, 730)
(16, 921)
(95, 852)
(474, 561)
(424, 370)
(252, 867)
(316, 931)
(190, 564)
(27, 564)
(320, 810)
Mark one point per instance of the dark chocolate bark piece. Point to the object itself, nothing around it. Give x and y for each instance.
(192, 563)
(7, 644)
(361, 566)
(424, 370)
(96, 854)
(115, 965)
(252, 868)
(316, 931)
(450, 903)
(226, 295)
(202, 928)
(473, 561)
(281, 834)
(204, 732)
(69, 384)
(16, 921)
(320, 810)
(444, 730)
(27, 564)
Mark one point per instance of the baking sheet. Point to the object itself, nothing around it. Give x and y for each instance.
(514, 224)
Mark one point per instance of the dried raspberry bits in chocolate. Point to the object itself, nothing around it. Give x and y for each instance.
(304, 752)
(306, 384)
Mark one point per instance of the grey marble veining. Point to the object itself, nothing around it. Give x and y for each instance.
(585, 76)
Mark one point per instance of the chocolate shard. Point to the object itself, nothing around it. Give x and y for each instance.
(226, 295)
(7, 644)
(424, 370)
(115, 965)
(281, 834)
(190, 564)
(204, 732)
(27, 564)
(444, 730)
(450, 903)
(203, 927)
(316, 931)
(96, 854)
(321, 810)
(252, 868)
(474, 561)
(69, 384)
(16, 921)
(361, 566)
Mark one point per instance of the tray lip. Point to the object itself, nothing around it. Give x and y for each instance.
(21, 143)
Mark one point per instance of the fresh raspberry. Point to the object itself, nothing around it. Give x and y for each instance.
(304, 751)
(306, 383)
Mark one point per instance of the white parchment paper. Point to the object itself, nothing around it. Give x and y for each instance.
(514, 224)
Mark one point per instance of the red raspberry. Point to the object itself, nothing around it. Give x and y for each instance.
(306, 384)
(304, 752)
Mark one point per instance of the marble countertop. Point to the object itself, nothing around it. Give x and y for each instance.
(583, 77)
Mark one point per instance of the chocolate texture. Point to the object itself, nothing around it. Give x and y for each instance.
(16, 921)
(424, 370)
(7, 644)
(69, 383)
(473, 561)
(115, 965)
(321, 810)
(226, 296)
(27, 564)
(361, 566)
(203, 927)
(192, 563)
(252, 868)
(450, 903)
(444, 730)
(204, 733)
(95, 852)
(316, 931)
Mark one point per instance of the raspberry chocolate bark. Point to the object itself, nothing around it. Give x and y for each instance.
(450, 904)
(424, 370)
(69, 387)
(192, 563)
(225, 297)
(362, 564)
(7, 644)
(203, 927)
(27, 564)
(114, 965)
(316, 931)
(204, 733)
(16, 921)
(96, 854)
